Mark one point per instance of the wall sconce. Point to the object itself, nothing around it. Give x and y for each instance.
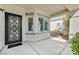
(2, 10)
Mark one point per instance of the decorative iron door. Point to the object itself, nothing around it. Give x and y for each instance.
(13, 28)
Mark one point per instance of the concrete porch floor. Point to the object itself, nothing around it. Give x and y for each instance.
(42, 47)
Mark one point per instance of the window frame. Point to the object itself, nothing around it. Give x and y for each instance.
(30, 24)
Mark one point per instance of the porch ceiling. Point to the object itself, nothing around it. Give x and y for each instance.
(52, 9)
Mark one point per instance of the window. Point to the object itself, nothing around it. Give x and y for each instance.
(41, 24)
(30, 24)
(46, 25)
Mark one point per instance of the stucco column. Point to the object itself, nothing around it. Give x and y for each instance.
(36, 23)
(2, 29)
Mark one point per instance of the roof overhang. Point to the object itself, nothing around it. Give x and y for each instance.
(51, 9)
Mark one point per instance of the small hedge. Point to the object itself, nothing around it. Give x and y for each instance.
(75, 44)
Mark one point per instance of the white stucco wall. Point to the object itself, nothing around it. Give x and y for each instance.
(37, 36)
(2, 33)
(74, 25)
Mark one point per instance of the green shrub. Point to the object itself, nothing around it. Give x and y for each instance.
(77, 34)
(66, 21)
(75, 44)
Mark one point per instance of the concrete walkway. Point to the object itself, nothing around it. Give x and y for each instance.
(43, 47)
(67, 50)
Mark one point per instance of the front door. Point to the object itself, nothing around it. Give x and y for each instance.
(13, 28)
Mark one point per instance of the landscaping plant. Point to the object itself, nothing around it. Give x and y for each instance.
(75, 44)
(66, 26)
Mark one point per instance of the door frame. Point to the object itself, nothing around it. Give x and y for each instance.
(6, 28)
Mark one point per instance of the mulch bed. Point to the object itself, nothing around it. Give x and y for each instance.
(58, 33)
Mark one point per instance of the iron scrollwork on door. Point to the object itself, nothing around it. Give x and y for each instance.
(13, 28)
